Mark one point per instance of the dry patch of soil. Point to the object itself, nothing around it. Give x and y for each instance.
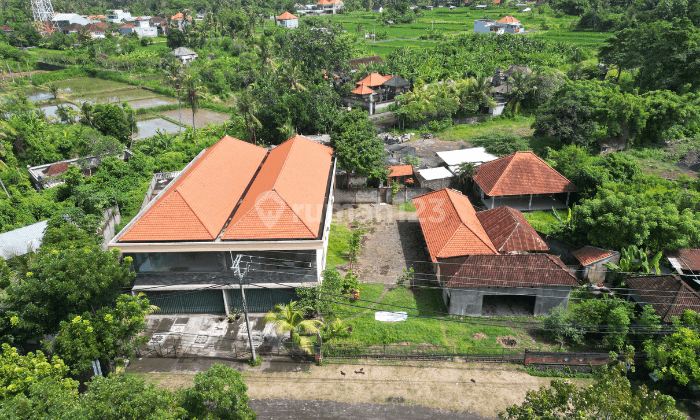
(442, 385)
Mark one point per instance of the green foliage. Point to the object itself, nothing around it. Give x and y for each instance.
(356, 146)
(18, 373)
(675, 358)
(64, 283)
(501, 144)
(321, 298)
(111, 120)
(111, 333)
(218, 393)
(606, 321)
(633, 259)
(290, 318)
(565, 372)
(560, 326)
(612, 396)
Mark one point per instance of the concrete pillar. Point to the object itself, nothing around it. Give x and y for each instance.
(567, 199)
(529, 206)
(227, 302)
(493, 201)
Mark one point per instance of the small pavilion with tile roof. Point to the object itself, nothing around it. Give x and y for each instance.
(288, 20)
(510, 231)
(273, 207)
(593, 260)
(522, 181)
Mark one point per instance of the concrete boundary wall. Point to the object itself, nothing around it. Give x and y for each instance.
(375, 195)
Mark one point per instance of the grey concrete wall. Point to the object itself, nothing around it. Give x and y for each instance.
(438, 184)
(375, 195)
(597, 272)
(468, 302)
(112, 218)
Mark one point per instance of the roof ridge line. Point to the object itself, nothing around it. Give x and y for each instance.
(551, 169)
(517, 225)
(506, 169)
(286, 158)
(195, 214)
(229, 226)
(465, 224)
(295, 213)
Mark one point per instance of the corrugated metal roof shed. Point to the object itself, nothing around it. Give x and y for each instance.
(19, 241)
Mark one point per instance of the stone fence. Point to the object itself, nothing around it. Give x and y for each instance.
(375, 195)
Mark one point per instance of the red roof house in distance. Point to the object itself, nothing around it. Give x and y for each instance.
(374, 80)
(527, 284)
(330, 7)
(271, 207)
(287, 20)
(522, 181)
(509, 231)
(401, 174)
(668, 294)
(450, 226)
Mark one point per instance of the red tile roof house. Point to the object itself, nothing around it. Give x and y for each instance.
(668, 294)
(465, 245)
(593, 262)
(401, 174)
(273, 207)
(522, 181)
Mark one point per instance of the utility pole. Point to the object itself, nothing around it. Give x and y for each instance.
(236, 267)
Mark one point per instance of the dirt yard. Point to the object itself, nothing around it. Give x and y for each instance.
(393, 242)
(442, 385)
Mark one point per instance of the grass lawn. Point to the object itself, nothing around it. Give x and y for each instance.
(441, 330)
(544, 221)
(407, 206)
(466, 132)
(338, 245)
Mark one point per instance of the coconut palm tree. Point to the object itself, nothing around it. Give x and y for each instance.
(264, 48)
(245, 102)
(173, 77)
(290, 318)
(291, 76)
(194, 91)
(465, 173)
(481, 91)
(522, 85)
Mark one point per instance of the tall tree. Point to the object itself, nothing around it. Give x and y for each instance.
(357, 147)
(218, 393)
(246, 105)
(194, 91)
(290, 318)
(675, 358)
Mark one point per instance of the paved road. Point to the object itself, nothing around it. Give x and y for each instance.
(317, 410)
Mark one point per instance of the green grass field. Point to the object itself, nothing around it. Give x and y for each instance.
(466, 132)
(434, 328)
(544, 221)
(338, 245)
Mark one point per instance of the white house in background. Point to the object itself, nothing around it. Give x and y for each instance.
(377, 9)
(287, 20)
(118, 16)
(64, 20)
(185, 55)
(455, 158)
(507, 24)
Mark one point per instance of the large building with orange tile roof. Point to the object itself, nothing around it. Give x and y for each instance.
(330, 7)
(467, 249)
(273, 207)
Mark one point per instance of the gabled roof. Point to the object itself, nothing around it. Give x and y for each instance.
(91, 27)
(362, 90)
(286, 16)
(402, 170)
(180, 51)
(510, 231)
(590, 254)
(521, 270)
(669, 295)
(396, 81)
(355, 62)
(686, 259)
(56, 169)
(199, 202)
(374, 79)
(508, 19)
(335, 2)
(286, 199)
(322, 2)
(128, 25)
(521, 173)
(450, 225)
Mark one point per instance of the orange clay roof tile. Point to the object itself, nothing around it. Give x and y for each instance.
(197, 205)
(403, 170)
(374, 79)
(450, 225)
(508, 19)
(521, 173)
(362, 90)
(590, 254)
(286, 199)
(286, 16)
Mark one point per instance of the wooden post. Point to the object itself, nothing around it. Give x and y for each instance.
(29, 73)
(20, 71)
(567, 199)
(8, 69)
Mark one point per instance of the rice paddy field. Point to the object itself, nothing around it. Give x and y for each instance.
(446, 22)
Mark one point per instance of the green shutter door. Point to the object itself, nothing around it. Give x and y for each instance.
(262, 300)
(187, 302)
